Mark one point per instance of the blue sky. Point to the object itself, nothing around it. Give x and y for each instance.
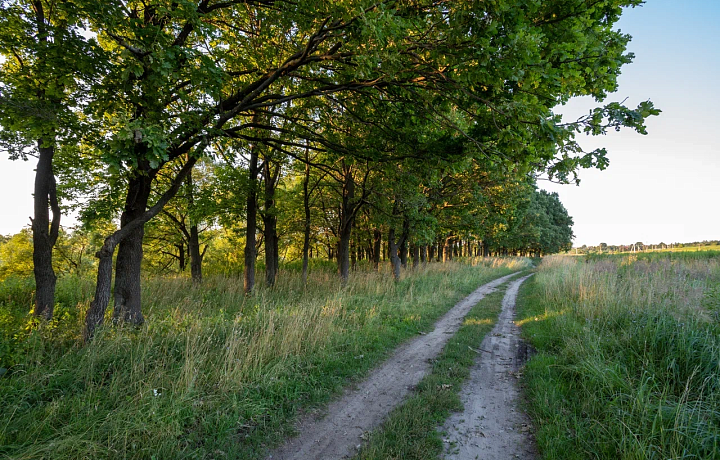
(664, 186)
(661, 187)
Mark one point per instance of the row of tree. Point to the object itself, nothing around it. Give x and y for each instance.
(428, 119)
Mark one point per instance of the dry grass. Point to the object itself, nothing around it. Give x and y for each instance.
(213, 373)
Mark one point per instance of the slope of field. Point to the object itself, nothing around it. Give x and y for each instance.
(212, 374)
(629, 356)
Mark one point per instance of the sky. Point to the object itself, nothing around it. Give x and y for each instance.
(663, 187)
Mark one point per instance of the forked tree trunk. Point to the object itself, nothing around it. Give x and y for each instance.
(45, 233)
(127, 297)
(96, 313)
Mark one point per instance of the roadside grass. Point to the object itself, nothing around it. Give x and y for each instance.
(410, 431)
(628, 362)
(212, 373)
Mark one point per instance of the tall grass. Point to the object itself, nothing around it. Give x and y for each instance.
(213, 373)
(629, 356)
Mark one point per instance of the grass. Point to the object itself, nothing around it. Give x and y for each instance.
(410, 432)
(628, 362)
(212, 373)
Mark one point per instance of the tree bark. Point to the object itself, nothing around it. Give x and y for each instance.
(128, 303)
(193, 237)
(251, 222)
(394, 257)
(270, 222)
(195, 255)
(423, 254)
(448, 249)
(45, 233)
(404, 243)
(306, 207)
(415, 255)
(377, 239)
(347, 213)
(96, 313)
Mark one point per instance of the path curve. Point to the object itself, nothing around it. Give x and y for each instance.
(492, 426)
(364, 406)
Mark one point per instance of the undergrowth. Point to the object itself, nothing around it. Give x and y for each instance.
(212, 373)
(629, 357)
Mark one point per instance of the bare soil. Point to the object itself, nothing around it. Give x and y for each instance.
(492, 426)
(339, 432)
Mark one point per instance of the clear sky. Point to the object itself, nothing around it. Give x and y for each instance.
(661, 187)
(664, 186)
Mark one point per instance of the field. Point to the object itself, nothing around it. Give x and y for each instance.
(628, 361)
(212, 373)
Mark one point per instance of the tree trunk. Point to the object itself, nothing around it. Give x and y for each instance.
(377, 239)
(423, 254)
(394, 257)
(181, 256)
(270, 222)
(195, 255)
(416, 255)
(251, 224)
(128, 305)
(404, 243)
(448, 249)
(346, 224)
(194, 237)
(45, 233)
(96, 313)
(353, 255)
(306, 207)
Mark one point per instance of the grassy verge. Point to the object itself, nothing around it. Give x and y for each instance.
(628, 362)
(410, 432)
(214, 374)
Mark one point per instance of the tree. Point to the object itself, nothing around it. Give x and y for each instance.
(47, 67)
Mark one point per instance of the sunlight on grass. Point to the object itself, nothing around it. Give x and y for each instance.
(628, 363)
(212, 373)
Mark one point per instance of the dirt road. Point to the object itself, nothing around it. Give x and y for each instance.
(492, 426)
(362, 408)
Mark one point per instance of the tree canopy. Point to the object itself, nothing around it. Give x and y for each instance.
(295, 128)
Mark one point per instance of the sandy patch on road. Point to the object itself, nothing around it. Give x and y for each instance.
(492, 426)
(363, 407)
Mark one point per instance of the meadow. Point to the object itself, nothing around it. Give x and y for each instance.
(212, 373)
(628, 355)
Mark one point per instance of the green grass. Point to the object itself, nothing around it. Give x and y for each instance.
(410, 432)
(212, 373)
(628, 362)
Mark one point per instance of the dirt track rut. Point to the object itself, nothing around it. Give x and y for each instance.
(492, 426)
(363, 407)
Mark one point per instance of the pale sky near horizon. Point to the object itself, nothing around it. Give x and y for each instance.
(664, 186)
(661, 187)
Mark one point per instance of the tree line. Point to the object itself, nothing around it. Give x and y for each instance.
(410, 128)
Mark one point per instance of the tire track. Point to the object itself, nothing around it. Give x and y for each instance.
(492, 426)
(364, 406)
